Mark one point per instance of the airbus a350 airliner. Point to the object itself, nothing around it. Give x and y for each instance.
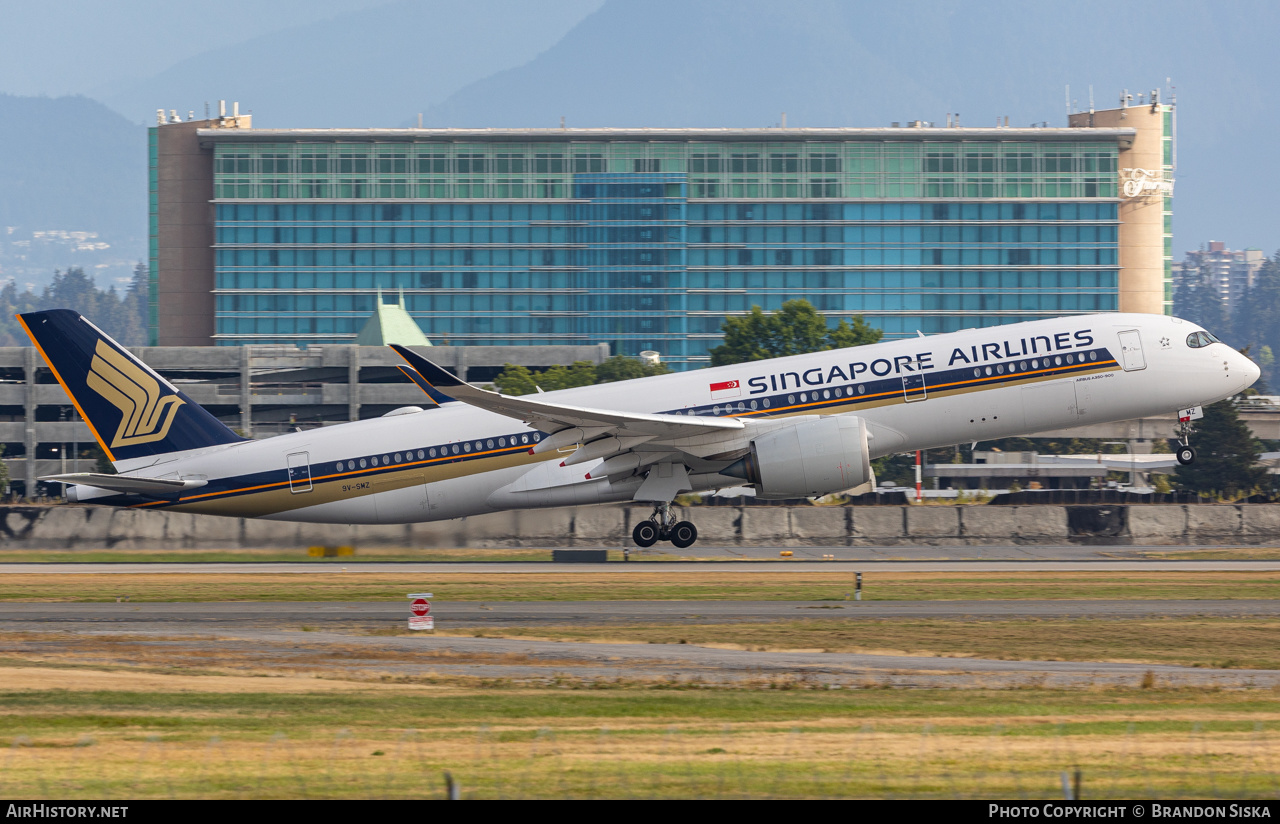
(792, 427)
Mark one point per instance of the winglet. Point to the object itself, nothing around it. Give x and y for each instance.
(435, 376)
(434, 394)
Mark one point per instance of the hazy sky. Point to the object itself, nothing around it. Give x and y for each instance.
(59, 47)
(377, 63)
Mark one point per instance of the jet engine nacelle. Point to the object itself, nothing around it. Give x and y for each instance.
(807, 459)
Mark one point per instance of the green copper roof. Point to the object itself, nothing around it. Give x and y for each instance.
(390, 323)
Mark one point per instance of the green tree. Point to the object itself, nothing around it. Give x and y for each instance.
(133, 322)
(1255, 320)
(578, 373)
(1226, 455)
(515, 380)
(520, 380)
(1199, 300)
(622, 368)
(124, 319)
(796, 329)
(101, 463)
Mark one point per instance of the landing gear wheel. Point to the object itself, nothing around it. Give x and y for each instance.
(645, 534)
(683, 535)
(1186, 455)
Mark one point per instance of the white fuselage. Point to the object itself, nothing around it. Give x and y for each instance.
(458, 460)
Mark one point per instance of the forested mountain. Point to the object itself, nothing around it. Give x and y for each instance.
(372, 67)
(83, 46)
(71, 163)
(869, 63)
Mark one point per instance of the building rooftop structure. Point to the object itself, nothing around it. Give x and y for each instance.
(1123, 136)
(389, 324)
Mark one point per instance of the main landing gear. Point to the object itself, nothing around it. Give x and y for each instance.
(1185, 453)
(662, 526)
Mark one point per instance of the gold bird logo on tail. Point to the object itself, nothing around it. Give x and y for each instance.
(145, 415)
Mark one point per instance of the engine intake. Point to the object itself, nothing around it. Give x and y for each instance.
(810, 458)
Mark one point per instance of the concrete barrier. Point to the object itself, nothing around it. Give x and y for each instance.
(988, 522)
(933, 523)
(85, 527)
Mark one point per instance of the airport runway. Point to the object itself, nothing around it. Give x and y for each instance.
(652, 567)
(351, 640)
(474, 614)
(799, 554)
(424, 656)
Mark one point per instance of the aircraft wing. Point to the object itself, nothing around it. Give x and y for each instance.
(125, 484)
(551, 417)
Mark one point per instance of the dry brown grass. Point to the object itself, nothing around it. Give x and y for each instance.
(652, 761)
(201, 656)
(1244, 553)
(75, 730)
(85, 679)
(1240, 643)
(670, 583)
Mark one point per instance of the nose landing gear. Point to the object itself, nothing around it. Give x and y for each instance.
(1185, 453)
(662, 526)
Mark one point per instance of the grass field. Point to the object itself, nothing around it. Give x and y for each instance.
(1224, 643)
(1244, 553)
(667, 584)
(635, 742)
(105, 716)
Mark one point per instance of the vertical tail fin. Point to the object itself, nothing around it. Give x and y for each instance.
(133, 412)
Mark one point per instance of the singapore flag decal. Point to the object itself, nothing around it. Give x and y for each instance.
(726, 389)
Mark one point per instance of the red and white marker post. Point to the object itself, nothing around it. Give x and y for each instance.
(420, 606)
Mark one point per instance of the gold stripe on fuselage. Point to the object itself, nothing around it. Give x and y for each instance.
(271, 499)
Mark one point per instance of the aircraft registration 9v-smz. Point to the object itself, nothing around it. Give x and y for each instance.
(792, 427)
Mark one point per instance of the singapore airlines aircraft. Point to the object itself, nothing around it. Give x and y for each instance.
(791, 427)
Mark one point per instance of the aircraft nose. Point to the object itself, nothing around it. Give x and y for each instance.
(1250, 370)
(1240, 367)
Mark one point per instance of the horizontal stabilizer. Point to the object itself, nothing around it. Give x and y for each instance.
(125, 484)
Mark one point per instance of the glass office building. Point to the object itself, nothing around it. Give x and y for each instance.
(646, 239)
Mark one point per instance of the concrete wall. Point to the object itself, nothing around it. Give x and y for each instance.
(87, 527)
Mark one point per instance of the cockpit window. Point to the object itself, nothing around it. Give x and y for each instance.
(1198, 339)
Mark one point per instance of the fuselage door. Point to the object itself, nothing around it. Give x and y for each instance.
(299, 472)
(1131, 356)
(913, 388)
